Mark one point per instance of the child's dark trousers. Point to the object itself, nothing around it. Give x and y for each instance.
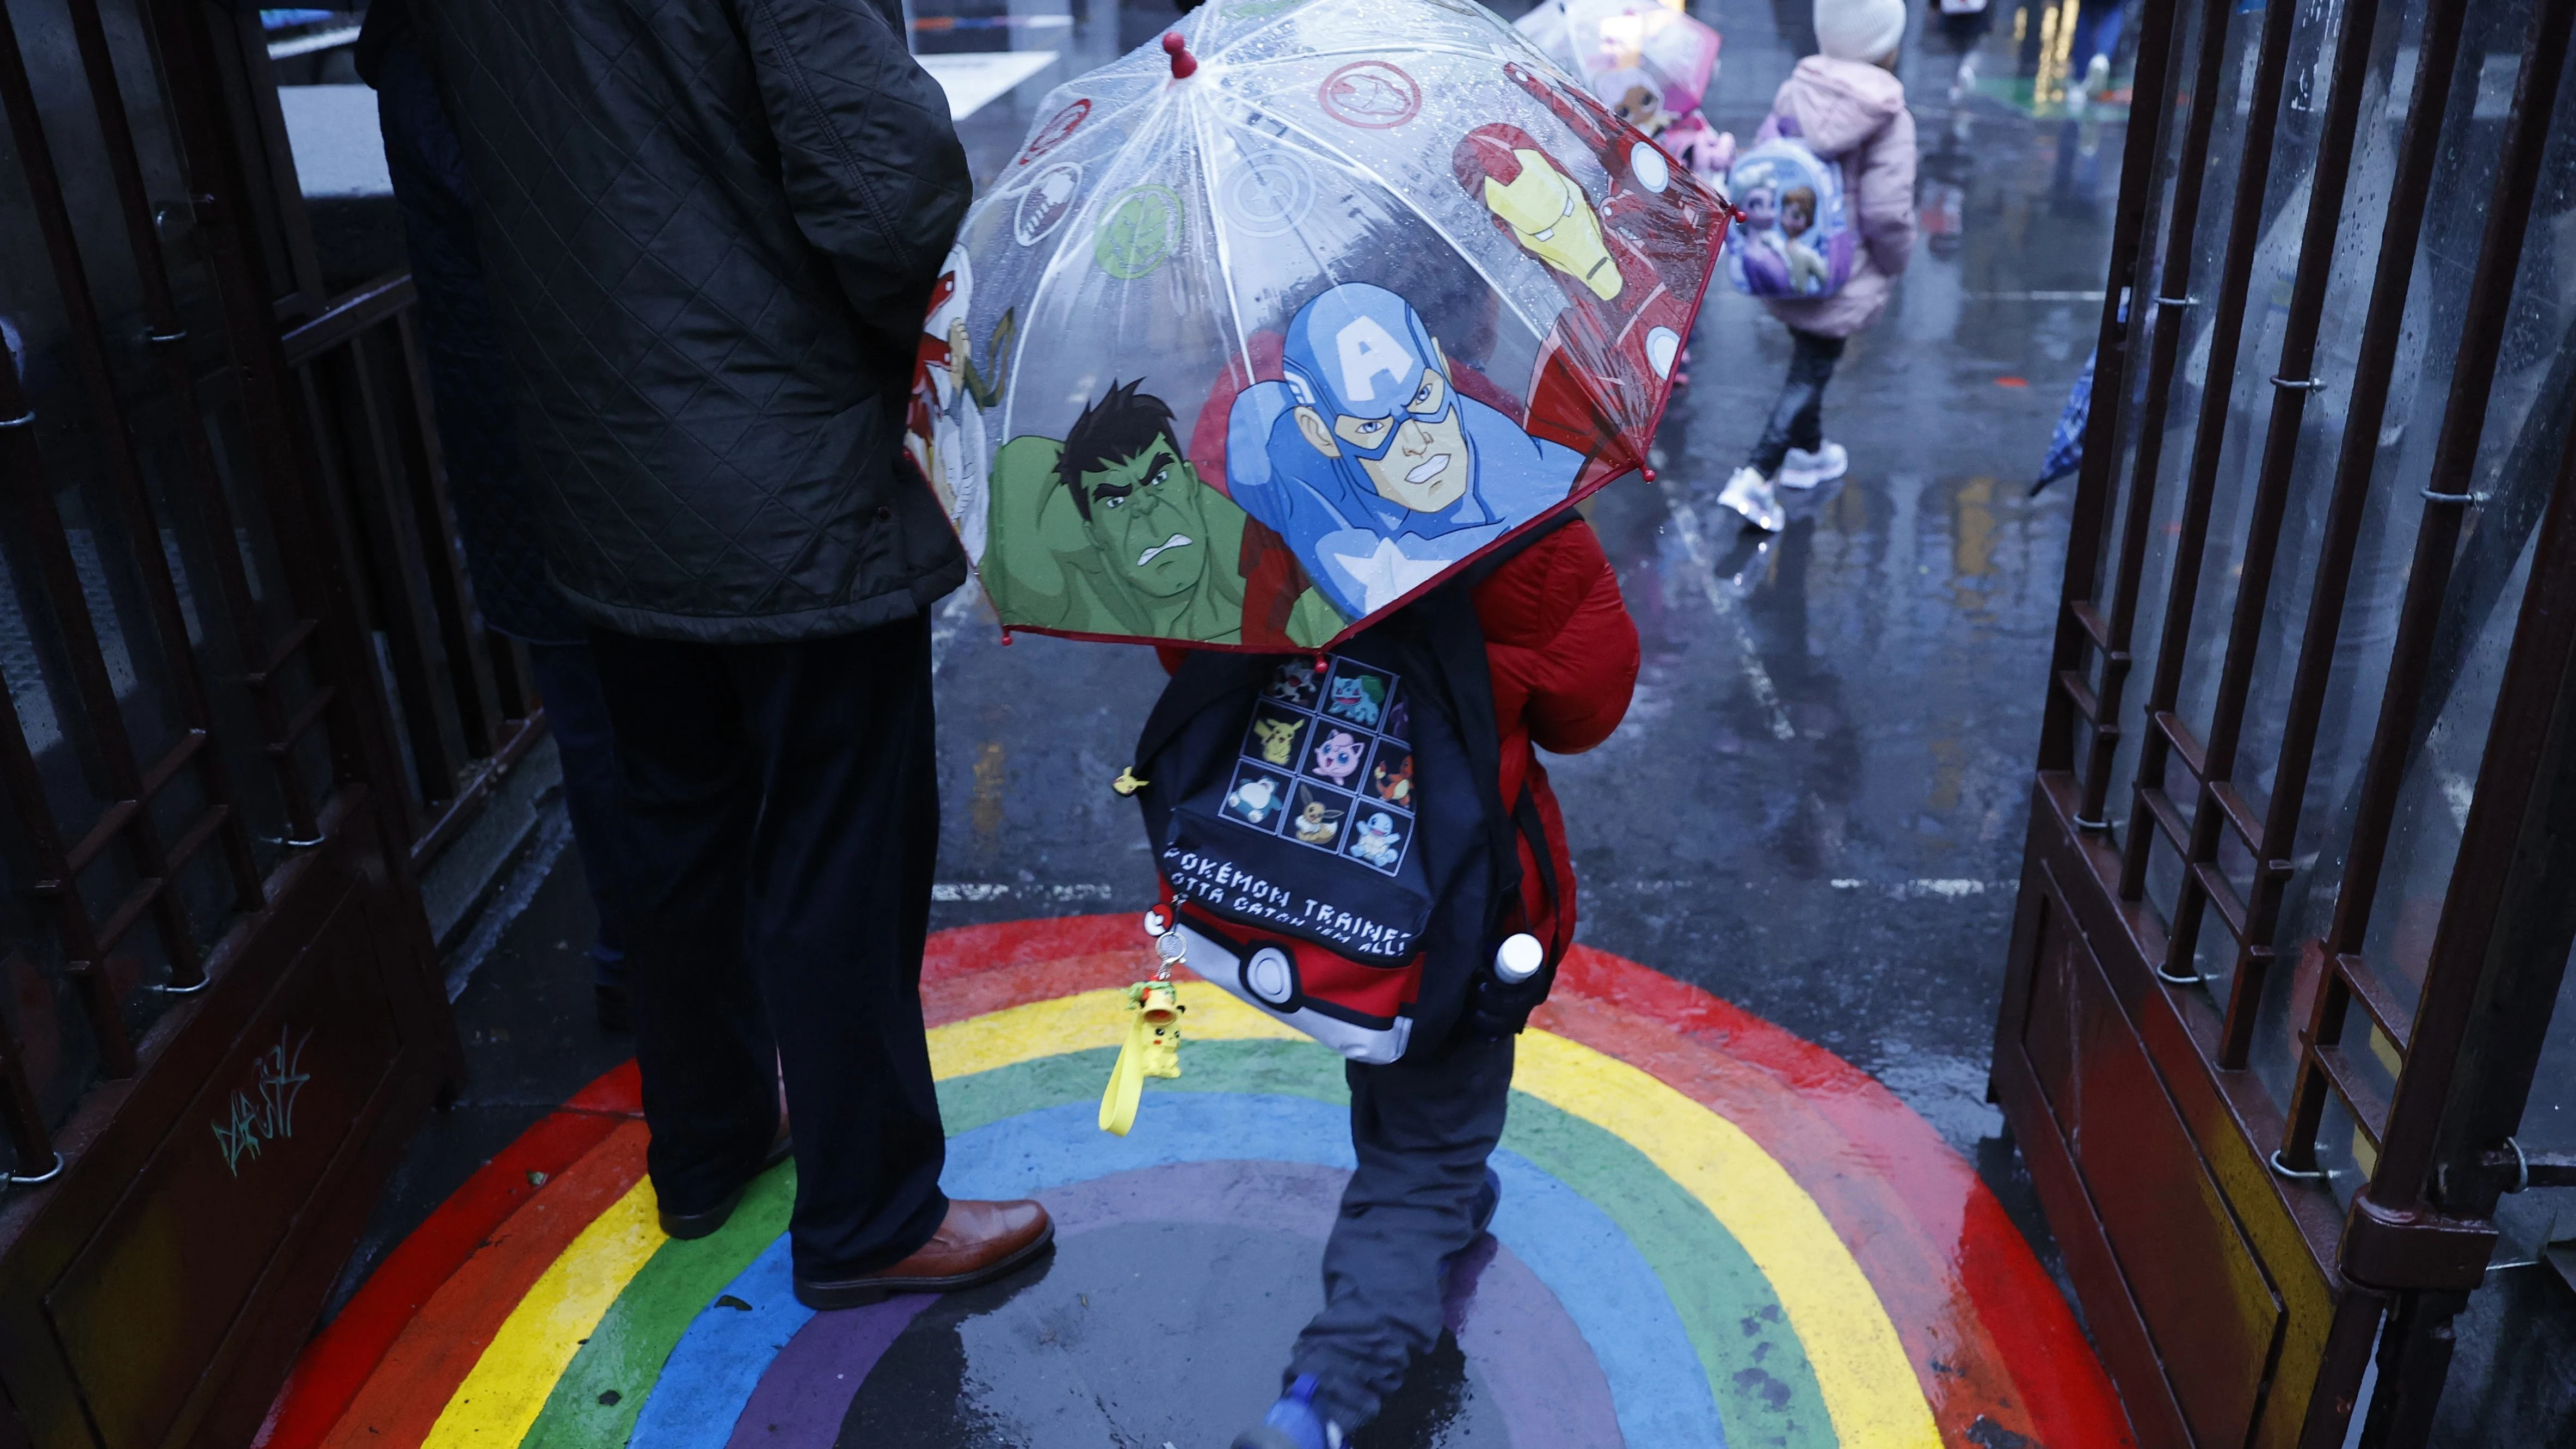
(1422, 1132)
(1797, 420)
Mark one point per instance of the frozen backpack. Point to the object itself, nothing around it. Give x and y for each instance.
(1795, 239)
(1329, 829)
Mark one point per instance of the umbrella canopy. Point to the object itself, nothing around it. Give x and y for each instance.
(1256, 339)
(1644, 59)
(2066, 441)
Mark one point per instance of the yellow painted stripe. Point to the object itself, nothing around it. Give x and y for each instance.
(1868, 1382)
(1869, 1385)
(500, 1399)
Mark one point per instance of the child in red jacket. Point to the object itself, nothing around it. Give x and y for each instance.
(1563, 654)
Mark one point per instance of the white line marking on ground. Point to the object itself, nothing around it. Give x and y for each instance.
(1905, 890)
(951, 617)
(1756, 677)
(976, 79)
(976, 890)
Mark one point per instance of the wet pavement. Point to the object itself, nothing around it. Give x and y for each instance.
(1813, 814)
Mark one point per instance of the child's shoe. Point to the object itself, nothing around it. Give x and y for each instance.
(1802, 469)
(1749, 493)
(1292, 1423)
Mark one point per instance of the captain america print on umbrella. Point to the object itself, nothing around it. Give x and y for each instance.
(1269, 327)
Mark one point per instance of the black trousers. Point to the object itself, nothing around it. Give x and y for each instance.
(1797, 420)
(1422, 1133)
(784, 804)
(577, 717)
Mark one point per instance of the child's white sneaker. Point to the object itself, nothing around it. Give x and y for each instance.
(1749, 493)
(1802, 469)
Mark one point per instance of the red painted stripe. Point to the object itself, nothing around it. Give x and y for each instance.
(970, 949)
(1964, 1287)
(620, 1089)
(402, 1399)
(1931, 1237)
(960, 995)
(1959, 1279)
(333, 1367)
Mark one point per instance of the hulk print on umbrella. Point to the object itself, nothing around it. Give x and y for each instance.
(1111, 531)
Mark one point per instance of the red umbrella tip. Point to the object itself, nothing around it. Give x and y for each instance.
(1184, 64)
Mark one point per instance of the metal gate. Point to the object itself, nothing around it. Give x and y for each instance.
(2294, 906)
(247, 694)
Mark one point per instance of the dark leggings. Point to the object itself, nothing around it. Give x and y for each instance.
(1797, 419)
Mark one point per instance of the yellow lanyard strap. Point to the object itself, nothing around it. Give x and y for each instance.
(1152, 1049)
(1127, 1080)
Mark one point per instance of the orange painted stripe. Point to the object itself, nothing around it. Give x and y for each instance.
(959, 996)
(402, 1399)
(1964, 1289)
(968, 950)
(329, 1372)
(1940, 1249)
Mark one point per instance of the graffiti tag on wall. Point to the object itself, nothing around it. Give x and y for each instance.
(265, 1112)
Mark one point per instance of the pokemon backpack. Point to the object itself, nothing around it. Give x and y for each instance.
(1329, 829)
(1796, 238)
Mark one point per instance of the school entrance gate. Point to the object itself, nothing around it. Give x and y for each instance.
(248, 698)
(2301, 877)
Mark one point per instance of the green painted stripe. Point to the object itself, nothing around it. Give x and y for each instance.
(1766, 1391)
(625, 1353)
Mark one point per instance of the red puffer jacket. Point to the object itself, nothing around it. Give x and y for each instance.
(1564, 657)
(1563, 653)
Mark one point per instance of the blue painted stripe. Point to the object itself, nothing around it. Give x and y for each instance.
(719, 1360)
(1657, 1387)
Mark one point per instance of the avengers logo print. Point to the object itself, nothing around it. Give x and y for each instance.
(1372, 95)
(1140, 232)
(1047, 202)
(1267, 192)
(1058, 129)
(1662, 346)
(1648, 165)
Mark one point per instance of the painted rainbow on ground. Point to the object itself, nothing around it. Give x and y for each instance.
(1713, 1234)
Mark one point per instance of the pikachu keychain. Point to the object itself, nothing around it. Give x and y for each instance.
(1153, 1045)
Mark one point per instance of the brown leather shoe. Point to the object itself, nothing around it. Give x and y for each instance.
(976, 1243)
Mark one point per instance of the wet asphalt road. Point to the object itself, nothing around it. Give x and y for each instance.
(1815, 807)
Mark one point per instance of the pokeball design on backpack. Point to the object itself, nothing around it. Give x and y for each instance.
(1270, 976)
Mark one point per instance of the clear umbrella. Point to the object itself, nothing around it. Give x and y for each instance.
(1266, 329)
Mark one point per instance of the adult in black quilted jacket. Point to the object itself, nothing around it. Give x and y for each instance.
(711, 228)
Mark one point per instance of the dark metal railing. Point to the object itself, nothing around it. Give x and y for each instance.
(288, 615)
(463, 695)
(2216, 820)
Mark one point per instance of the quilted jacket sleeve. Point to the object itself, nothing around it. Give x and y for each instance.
(1563, 648)
(871, 163)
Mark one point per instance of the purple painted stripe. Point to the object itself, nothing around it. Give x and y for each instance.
(1528, 1358)
(806, 1392)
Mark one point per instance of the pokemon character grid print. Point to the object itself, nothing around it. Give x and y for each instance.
(1333, 846)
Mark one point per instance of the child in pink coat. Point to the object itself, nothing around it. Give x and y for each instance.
(1848, 106)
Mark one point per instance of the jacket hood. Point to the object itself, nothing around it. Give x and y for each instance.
(1838, 104)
